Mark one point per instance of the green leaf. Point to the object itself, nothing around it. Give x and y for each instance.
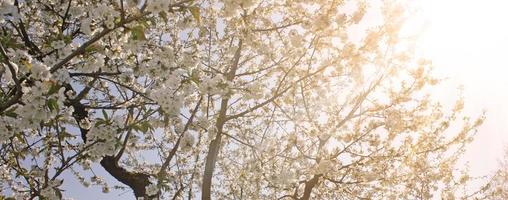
(92, 48)
(164, 16)
(100, 122)
(68, 39)
(58, 193)
(138, 32)
(20, 138)
(144, 127)
(196, 13)
(10, 42)
(11, 112)
(64, 134)
(53, 89)
(105, 114)
(166, 119)
(136, 127)
(52, 104)
(6, 198)
(195, 76)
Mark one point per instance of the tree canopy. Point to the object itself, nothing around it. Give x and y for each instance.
(222, 99)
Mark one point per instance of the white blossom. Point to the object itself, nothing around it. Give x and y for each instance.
(188, 140)
(152, 189)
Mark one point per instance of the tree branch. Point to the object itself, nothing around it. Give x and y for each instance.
(309, 185)
(94, 39)
(214, 148)
(17, 92)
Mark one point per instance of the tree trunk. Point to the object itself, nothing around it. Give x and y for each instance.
(211, 159)
(309, 185)
(215, 145)
(136, 181)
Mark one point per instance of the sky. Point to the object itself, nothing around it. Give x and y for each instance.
(467, 41)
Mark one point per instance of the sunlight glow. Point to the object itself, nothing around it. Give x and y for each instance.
(471, 28)
(467, 41)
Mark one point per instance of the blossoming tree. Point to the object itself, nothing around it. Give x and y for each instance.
(221, 99)
(496, 185)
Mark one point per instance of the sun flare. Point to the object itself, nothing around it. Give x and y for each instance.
(469, 36)
(467, 41)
